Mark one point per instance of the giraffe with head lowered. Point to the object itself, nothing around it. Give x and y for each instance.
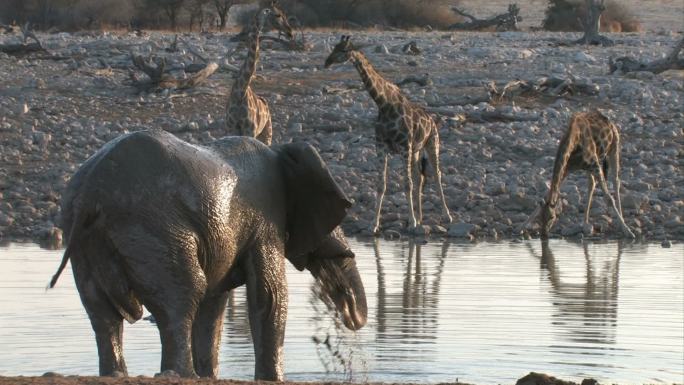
(592, 144)
(402, 127)
(247, 112)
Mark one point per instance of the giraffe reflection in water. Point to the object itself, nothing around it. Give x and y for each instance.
(411, 315)
(586, 310)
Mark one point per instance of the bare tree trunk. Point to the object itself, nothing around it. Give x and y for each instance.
(592, 25)
(191, 21)
(222, 8)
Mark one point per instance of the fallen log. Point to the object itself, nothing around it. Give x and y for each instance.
(21, 48)
(550, 86)
(24, 47)
(545, 86)
(504, 22)
(289, 44)
(422, 80)
(627, 64)
(496, 115)
(159, 80)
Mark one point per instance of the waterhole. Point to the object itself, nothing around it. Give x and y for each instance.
(483, 313)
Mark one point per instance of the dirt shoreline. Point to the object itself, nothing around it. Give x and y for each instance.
(56, 379)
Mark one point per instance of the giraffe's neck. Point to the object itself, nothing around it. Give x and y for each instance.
(554, 190)
(560, 166)
(248, 68)
(378, 88)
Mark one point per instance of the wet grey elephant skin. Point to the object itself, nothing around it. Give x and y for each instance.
(152, 220)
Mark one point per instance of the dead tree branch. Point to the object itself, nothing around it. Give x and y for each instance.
(196, 67)
(193, 51)
(504, 22)
(462, 13)
(411, 48)
(158, 80)
(627, 64)
(27, 33)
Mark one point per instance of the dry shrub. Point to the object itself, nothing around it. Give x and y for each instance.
(368, 13)
(566, 15)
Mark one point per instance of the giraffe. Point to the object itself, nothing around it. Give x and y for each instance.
(402, 127)
(247, 112)
(592, 144)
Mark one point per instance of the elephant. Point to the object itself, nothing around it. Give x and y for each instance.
(153, 220)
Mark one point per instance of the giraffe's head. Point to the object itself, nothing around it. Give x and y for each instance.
(542, 219)
(341, 53)
(274, 17)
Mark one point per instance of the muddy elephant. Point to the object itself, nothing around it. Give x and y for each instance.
(152, 220)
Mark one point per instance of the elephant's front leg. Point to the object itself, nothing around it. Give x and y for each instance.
(267, 305)
(206, 335)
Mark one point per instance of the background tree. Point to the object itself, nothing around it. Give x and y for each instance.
(197, 12)
(222, 8)
(170, 8)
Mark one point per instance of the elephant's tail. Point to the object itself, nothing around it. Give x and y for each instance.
(87, 244)
(61, 267)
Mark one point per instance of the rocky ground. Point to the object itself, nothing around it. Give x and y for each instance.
(56, 113)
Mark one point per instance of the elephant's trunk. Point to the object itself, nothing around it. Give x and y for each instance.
(353, 303)
(334, 267)
(341, 284)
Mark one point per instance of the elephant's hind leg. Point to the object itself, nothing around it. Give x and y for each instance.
(174, 305)
(206, 335)
(106, 321)
(171, 284)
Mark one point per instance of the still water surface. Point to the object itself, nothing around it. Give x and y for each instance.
(484, 313)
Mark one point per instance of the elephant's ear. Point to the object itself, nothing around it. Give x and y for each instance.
(316, 204)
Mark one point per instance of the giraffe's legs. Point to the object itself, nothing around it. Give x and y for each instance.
(614, 170)
(409, 186)
(381, 188)
(266, 134)
(418, 182)
(432, 148)
(591, 186)
(609, 200)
